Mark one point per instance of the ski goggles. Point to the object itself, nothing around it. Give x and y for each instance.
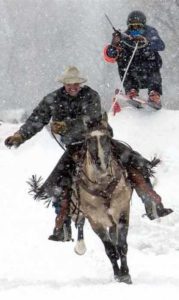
(135, 25)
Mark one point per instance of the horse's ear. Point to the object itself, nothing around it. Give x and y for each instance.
(105, 116)
(104, 124)
(104, 120)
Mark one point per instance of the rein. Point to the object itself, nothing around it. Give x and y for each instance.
(58, 142)
(107, 193)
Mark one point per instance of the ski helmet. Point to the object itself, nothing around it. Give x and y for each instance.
(136, 16)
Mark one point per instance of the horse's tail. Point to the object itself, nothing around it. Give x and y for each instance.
(36, 188)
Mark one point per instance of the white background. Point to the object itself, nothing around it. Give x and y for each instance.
(33, 267)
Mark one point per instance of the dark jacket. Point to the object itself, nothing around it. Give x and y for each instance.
(74, 111)
(146, 58)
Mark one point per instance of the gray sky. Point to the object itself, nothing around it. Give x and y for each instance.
(39, 38)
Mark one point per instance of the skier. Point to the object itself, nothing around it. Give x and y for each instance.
(144, 70)
(71, 108)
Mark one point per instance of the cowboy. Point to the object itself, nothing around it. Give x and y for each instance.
(71, 110)
(144, 68)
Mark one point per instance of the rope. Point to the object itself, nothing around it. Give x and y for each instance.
(124, 77)
(132, 56)
(140, 45)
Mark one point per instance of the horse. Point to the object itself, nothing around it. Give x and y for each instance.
(102, 194)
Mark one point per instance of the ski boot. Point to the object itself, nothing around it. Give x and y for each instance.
(154, 100)
(133, 93)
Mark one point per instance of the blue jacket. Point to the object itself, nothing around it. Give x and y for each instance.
(151, 34)
(146, 58)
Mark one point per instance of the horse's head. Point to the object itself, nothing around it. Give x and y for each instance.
(98, 144)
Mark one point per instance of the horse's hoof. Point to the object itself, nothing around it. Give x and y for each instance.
(80, 247)
(123, 278)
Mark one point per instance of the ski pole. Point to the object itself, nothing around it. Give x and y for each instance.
(117, 30)
(111, 24)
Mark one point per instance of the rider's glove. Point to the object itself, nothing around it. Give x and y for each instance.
(15, 140)
(58, 127)
(112, 51)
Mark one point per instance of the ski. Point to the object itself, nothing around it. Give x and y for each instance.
(136, 102)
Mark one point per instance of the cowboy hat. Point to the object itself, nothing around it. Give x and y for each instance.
(72, 75)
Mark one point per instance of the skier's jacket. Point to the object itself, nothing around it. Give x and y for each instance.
(76, 112)
(146, 58)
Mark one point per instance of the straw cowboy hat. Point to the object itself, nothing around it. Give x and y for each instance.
(72, 75)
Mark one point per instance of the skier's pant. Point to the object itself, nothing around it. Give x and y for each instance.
(147, 79)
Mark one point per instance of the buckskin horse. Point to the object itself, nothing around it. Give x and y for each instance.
(102, 194)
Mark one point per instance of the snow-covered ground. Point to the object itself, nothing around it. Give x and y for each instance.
(31, 266)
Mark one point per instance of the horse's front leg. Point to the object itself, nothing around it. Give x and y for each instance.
(110, 249)
(122, 247)
(80, 247)
(80, 227)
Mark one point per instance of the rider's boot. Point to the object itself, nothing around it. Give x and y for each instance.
(154, 210)
(62, 230)
(152, 201)
(63, 234)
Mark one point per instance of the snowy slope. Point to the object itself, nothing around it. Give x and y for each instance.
(33, 266)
